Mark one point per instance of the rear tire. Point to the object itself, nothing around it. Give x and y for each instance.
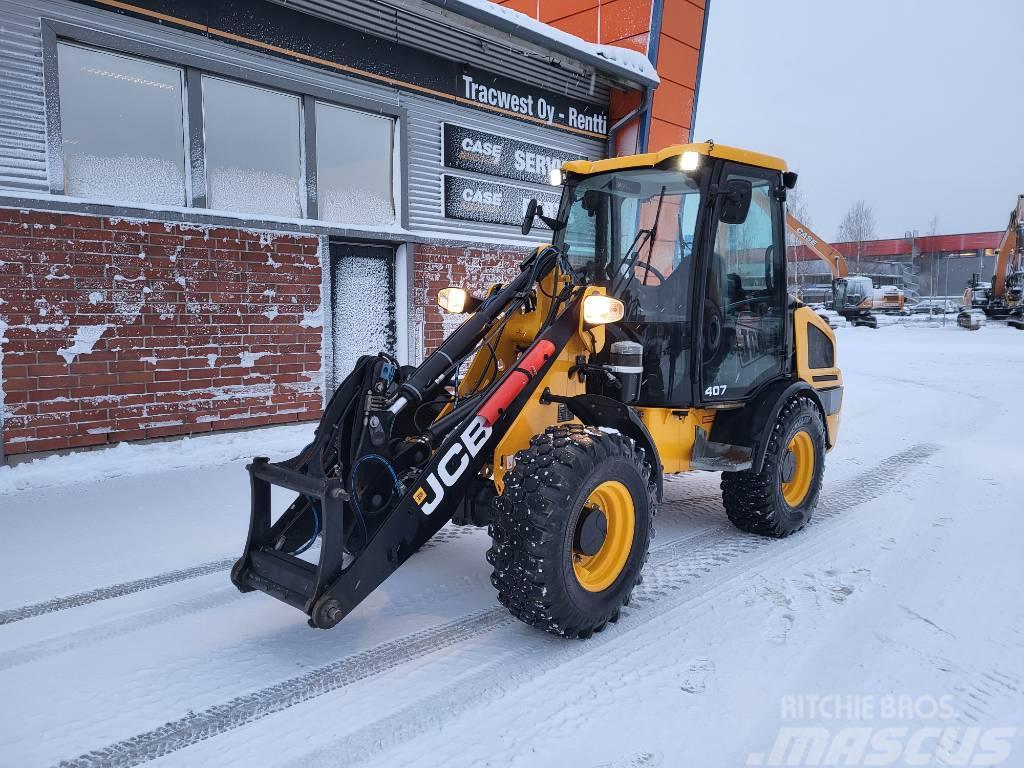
(551, 569)
(779, 500)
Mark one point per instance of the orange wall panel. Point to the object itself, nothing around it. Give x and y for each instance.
(552, 10)
(624, 18)
(529, 7)
(683, 21)
(677, 61)
(580, 24)
(627, 23)
(664, 134)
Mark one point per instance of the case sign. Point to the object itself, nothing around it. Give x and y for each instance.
(492, 202)
(466, 149)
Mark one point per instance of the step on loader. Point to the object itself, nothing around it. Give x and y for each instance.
(654, 336)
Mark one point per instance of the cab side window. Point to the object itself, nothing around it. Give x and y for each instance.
(745, 300)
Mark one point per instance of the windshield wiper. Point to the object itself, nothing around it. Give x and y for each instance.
(629, 266)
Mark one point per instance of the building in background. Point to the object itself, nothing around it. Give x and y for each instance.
(927, 266)
(209, 210)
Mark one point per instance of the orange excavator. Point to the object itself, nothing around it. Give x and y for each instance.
(1004, 296)
(852, 297)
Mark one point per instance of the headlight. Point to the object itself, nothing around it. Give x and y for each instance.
(689, 160)
(452, 300)
(555, 177)
(598, 310)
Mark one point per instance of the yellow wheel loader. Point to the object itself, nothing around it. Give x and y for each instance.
(654, 336)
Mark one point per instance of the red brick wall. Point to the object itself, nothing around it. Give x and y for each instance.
(195, 329)
(435, 267)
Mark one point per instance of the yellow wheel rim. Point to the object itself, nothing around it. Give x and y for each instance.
(597, 572)
(800, 460)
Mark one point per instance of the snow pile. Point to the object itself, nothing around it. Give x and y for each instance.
(85, 339)
(126, 459)
(621, 57)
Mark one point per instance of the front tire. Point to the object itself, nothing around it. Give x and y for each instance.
(779, 500)
(571, 530)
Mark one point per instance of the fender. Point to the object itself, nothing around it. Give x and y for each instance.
(751, 426)
(600, 411)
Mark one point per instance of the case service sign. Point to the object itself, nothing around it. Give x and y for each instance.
(469, 150)
(491, 202)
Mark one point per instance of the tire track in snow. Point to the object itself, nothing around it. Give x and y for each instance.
(676, 576)
(696, 509)
(71, 641)
(116, 590)
(705, 552)
(78, 599)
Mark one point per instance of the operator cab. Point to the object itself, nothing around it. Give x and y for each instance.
(693, 245)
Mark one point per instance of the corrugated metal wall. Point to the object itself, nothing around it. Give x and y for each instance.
(385, 18)
(22, 110)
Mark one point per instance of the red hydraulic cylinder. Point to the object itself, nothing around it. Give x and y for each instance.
(519, 377)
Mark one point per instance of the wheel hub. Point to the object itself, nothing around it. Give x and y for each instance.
(796, 471)
(788, 466)
(603, 537)
(591, 531)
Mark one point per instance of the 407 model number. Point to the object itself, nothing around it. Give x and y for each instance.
(715, 390)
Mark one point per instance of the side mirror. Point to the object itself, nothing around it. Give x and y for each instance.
(735, 204)
(531, 213)
(789, 179)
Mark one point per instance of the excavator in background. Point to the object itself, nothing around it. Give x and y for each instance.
(852, 297)
(1002, 298)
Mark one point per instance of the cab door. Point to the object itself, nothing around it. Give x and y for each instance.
(743, 331)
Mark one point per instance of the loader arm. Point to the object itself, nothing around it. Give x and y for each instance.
(374, 484)
(835, 260)
(1010, 253)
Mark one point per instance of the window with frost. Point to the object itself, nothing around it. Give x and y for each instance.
(354, 166)
(253, 149)
(122, 128)
(363, 304)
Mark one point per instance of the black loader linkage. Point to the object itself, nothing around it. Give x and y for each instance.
(374, 486)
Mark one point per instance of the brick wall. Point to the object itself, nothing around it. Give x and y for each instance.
(115, 329)
(435, 267)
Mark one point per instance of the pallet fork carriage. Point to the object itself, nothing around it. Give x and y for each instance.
(653, 337)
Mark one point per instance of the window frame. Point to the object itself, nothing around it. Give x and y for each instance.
(194, 65)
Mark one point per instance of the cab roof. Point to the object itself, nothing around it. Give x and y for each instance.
(651, 159)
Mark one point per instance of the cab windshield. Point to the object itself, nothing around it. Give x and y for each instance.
(633, 232)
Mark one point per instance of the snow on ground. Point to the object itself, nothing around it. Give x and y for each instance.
(897, 608)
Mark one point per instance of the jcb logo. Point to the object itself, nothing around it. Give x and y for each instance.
(452, 464)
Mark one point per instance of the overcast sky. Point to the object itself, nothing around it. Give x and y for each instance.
(916, 107)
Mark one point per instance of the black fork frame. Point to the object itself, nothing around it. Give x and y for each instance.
(331, 589)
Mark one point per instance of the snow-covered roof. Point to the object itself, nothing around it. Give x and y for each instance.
(623, 63)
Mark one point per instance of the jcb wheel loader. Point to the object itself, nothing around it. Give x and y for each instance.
(653, 337)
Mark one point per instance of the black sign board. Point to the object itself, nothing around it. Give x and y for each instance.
(469, 150)
(519, 99)
(271, 28)
(491, 202)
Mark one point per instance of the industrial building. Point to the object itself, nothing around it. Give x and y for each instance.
(923, 266)
(209, 210)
